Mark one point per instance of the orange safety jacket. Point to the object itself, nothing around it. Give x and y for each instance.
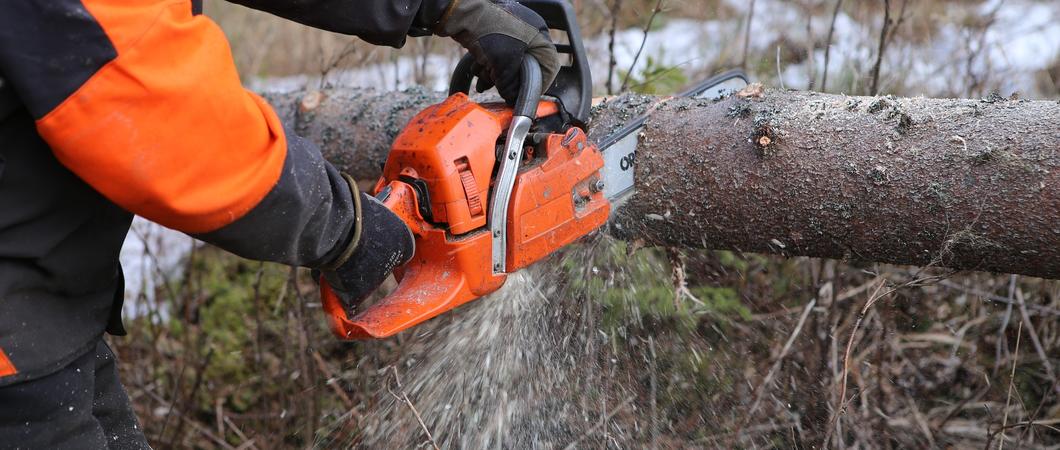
(110, 108)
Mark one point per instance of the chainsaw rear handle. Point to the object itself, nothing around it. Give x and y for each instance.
(401, 199)
(529, 90)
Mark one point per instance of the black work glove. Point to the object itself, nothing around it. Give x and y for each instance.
(382, 243)
(499, 34)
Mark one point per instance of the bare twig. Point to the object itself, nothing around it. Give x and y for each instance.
(764, 385)
(332, 380)
(1002, 342)
(1034, 337)
(780, 75)
(1040, 309)
(327, 67)
(897, 23)
(621, 406)
(828, 44)
(176, 392)
(219, 414)
(875, 86)
(404, 397)
(654, 394)
(616, 8)
(921, 423)
(1055, 388)
(959, 406)
(200, 370)
(194, 424)
(247, 442)
(680, 281)
(647, 29)
(873, 298)
(811, 44)
(311, 396)
(1042, 423)
(661, 73)
(747, 34)
(1011, 382)
(419, 74)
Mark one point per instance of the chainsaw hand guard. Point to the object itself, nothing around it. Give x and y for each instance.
(432, 283)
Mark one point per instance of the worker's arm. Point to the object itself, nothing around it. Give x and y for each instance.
(381, 22)
(499, 33)
(142, 101)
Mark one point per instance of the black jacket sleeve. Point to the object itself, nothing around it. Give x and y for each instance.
(142, 101)
(381, 22)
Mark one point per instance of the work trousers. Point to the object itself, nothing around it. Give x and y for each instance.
(82, 406)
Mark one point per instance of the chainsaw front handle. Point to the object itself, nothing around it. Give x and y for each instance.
(529, 90)
(573, 87)
(463, 75)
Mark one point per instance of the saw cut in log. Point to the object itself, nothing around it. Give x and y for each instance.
(964, 184)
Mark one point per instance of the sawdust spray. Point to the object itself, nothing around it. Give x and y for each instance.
(526, 367)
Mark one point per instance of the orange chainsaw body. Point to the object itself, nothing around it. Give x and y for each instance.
(438, 179)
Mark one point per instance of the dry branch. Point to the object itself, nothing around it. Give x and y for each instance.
(966, 184)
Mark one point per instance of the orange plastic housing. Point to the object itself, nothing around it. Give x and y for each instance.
(451, 148)
(442, 144)
(556, 199)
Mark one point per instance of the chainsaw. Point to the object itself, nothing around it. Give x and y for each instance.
(488, 190)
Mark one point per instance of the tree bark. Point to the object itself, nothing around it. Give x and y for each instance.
(965, 184)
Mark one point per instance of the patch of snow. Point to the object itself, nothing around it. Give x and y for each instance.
(396, 75)
(151, 256)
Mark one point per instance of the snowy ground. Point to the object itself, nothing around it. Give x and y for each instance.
(1024, 40)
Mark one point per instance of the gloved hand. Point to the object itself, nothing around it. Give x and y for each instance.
(382, 243)
(499, 34)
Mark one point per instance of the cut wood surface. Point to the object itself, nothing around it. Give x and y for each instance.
(965, 184)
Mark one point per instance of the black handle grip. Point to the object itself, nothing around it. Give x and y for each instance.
(462, 76)
(529, 89)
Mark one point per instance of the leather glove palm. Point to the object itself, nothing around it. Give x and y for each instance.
(499, 35)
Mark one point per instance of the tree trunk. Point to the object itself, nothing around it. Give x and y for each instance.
(966, 184)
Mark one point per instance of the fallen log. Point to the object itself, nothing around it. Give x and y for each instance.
(965, 184)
